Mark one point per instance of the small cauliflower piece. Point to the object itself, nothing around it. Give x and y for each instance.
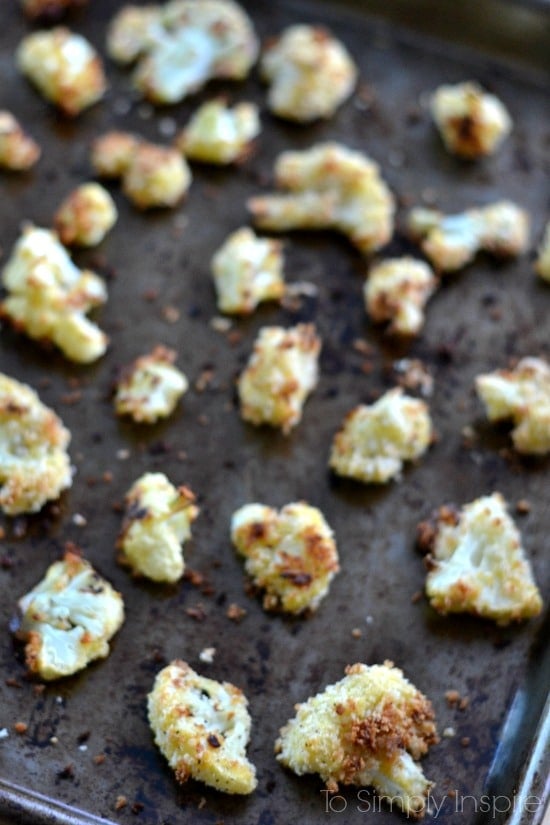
(112, 153)
(64, 67)
(157, 176)
(85, 216)
(452, 241)
(49, 10)
(150, 387)
(471, 122)
(133, 31)
(157, 521)
(68, 619)
(311, 73)
(329, 187)
(247, 270)
(542, 264)
(219, 134)
(18, 151)
(202, 727)
(290, 554)
(523, 395)
(34, 464)
(48, 296)
(366, 729)
(397, 290)
(281, 372)
(476, 563)
(374, 441)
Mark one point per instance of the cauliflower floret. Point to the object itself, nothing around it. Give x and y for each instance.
(542, 264)
(330, 187)
(112, 153)
(397, 290)
(311, 73)
(219, 134)
(34, 464)
(291, 554)
(85, 216)
(374, 441)
(522, 394)
(247, 270)
(367, 729)
(472, 123)
(182, 45)
(18, 151)
(48, 10)
(477, 564)
(157, 521)
(49, 296)
(156, 176)
(280, 374)
(68, 619)
(202, 727)
(150, 387)
(452, 241)
(64, 67)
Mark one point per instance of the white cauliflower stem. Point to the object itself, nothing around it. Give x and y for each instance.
(219, 134)
(471, 122)
(397, 290)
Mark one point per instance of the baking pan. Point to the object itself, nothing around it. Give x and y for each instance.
(157, 270)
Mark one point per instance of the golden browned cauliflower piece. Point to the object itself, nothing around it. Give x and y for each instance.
(150, 387)
(472, 123)
(182, 45)
(290, 554)
(329, 187)
(542, 264)
(202, 727)
(523, 395)
(367, 729)
(247, 270)
(219, 134)
(18, 151)
(85, 216)
(157, 176)
(48, 296)
(112, 153)
(68, 619)
(397, 290)
(476, 563)
(64, 67)
(157, 521)
(280, 374)
(34, 464)
(311, 73)
(49, 10)
(375, 441)
(452, 241)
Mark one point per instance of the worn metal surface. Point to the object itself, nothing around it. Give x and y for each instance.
(480, 318)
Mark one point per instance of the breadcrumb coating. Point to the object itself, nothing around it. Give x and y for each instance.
(397, 290)
(150, 387)
(85, 216)
(542, 264)
(220, 134)
(476, 563)
(374, 441)
(366, 729)
(472, 123)
(18, 151)
(202, 727)
(329, 187)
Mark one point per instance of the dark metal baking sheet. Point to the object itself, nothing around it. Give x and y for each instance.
(479, 319)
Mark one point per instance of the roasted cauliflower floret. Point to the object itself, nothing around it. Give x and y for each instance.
(18, 151)
(157, 521)
(219, 134)
(375, 441)
(48, 9)
(311, 73)
(476, 563)
(280, 374)
(367, 729)
(112, 153)
(34, 464)
(150, 387)
(157, 176)
(247, 270)
(397, 290)
(472, 123)
(85, 216)
(182, 45)
(290, 554)
(64, 67)
(542, 264)
(202, 727)
(68, 619)
(452, 241)
(523, 395)
(329, 187)
(48, 296)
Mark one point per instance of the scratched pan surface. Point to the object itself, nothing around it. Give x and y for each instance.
(480, 318)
